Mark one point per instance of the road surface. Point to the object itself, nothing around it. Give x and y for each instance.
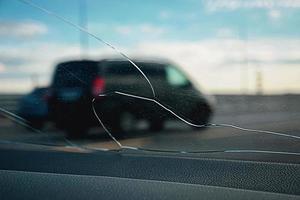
(179, 136)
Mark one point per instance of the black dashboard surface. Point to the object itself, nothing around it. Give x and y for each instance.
(280, 178)
(34, 185)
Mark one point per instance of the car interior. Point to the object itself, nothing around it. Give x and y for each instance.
(76, 123)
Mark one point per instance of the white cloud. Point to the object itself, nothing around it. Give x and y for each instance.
(225, 33)
(216, 52)
(124, 30)
(164, 14)
(274, 15)
(169, 15)
(2, 67)
(215, 63)
(151, 29)
(21, 30)
(40, 57)
(219, 5)
(140, 30)
(36, 58)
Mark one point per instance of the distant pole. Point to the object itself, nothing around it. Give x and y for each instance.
(83, 22)
(245, 64)
(259, 82)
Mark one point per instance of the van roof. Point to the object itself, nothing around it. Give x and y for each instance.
(138, 59)
(161, 62)
(76, 61)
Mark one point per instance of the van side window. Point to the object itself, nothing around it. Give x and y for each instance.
(175, 77)
(126, 69)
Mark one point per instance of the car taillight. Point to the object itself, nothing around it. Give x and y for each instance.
(98, 86)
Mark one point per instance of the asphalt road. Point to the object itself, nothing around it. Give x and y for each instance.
(178, 136)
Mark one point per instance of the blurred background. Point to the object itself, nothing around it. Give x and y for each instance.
(244, 53)
(241, 47)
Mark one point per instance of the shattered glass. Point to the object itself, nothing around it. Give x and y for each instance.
(157, 107)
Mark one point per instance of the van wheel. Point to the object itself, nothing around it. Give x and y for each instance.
(76, 131)
(127, 122)
(123, 124)
(156, 125)
(201, 115)
(36, 124)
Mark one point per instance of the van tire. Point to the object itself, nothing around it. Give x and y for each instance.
(201, 115)
(75, 131)
(121, 125)
(156, 125)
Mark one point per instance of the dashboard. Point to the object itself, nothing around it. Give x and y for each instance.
(37, 174)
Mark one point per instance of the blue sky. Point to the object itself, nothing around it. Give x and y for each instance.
(233, 30)
(184, 20)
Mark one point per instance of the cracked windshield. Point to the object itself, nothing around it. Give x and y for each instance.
(200, 77)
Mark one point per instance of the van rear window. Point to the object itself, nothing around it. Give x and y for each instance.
(74, 74)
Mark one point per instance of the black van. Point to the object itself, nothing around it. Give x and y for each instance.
(76, 83)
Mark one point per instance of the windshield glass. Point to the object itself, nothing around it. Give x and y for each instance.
(200, 77)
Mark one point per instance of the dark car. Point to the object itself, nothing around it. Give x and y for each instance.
(77, 83)
(34, 107)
